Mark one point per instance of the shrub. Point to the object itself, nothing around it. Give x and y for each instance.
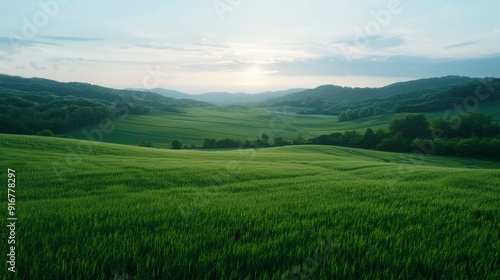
(46, 132)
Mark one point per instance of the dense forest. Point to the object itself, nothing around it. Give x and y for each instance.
(29, 106)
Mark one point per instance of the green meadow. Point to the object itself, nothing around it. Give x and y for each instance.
(89, 210)
(196, 124)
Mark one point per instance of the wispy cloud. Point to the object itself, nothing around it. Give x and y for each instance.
(459, 45)
(11, 41)
(11, 44)
(66, 38)
(35, 66)
(395, 66)
(374, 42)
(4, 57)
(383, 42)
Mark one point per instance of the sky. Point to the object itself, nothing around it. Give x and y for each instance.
(252, 46)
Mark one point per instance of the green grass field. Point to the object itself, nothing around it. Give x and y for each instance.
(238, 123)
(211, 122)
(105, 211)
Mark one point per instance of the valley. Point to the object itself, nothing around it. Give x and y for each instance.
(91, 203)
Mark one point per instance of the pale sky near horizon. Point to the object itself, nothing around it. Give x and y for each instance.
(198, 46)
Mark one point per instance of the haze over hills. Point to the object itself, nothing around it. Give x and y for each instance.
(323, 93)
(225, 98)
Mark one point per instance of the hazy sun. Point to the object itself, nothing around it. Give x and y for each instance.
(254, 73)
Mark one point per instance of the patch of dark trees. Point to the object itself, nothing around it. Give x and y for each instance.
(22, 116)
(471, 134)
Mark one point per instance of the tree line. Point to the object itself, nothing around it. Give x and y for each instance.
(471, 134)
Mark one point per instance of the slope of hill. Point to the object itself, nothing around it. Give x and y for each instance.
(457, 98)
(425, 84)
(332, 94)
(49, 89)
(103, 211)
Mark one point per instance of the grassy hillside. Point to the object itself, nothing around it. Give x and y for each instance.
(240, 123)
(221, 122)
(212, 122)
(105, 211)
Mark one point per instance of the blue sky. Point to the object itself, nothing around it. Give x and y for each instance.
(250, 46)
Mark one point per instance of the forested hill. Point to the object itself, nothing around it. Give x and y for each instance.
(426, 84)
(424, 95)
(30, 105)
(426, 100)
(338, 94)
(47, 89)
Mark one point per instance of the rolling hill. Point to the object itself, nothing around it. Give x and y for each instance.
(106, 211)
(30, 106)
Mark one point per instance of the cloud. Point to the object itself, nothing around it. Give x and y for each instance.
(374, 42)
(395, 66)
(383, 43)
(36, 66)
(71, 59)
(22, 41)
(13, 44)
(459, 45)
(11, 41)
(66, 38)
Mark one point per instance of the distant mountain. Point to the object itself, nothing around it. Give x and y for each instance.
(225, 98)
